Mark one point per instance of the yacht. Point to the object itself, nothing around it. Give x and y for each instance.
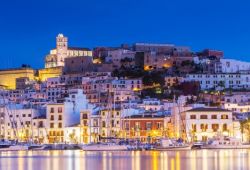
(225, 143)
(14, 147)
(168, 144)
(104, 147)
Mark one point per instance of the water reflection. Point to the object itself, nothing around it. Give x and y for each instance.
(135, 160)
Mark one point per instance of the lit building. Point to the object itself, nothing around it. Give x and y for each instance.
(238, 107)
(57, 56)
(220, 81)
(46, 73)
(120, 57)
(171, 81)
(110, 123)
(66, 114)
(200, 124)
(8, 77)
(234, 66)
(146, 127)
(18, 123)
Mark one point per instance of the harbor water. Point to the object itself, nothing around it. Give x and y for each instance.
(134, 160)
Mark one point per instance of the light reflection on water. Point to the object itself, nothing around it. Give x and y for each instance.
(135, 160)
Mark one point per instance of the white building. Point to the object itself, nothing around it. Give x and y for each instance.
(65, 114)
(116, 56)
(55, 88)
(234, 66)
(127, 84)
(18, 123)
(238, 107)
(220, 81)
(203, 123)
(57, 56)
(237, 97)
(151, 104)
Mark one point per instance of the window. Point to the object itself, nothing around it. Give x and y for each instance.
(103, 124)
(24, 115)
(59, 125)
(52, 110)
(29, 115)
(52, 117)
(158, 125)
(60, 117)
(214, 116)
(148, 126)
(85, 116)
(194, 127)
(51, 125)
(192, 116)
(127, 125)
(112, 123)
(224, 127)
(85, 122)
(59, 109)
(203, 117)
(137, 125)
(215, 127)
(95, 123)
(224, 116)
(204, 127)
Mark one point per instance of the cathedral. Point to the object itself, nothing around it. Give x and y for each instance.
(57, 56)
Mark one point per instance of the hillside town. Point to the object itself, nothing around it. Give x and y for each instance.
(139, 91)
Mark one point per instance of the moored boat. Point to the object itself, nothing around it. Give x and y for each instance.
(168, 144)
(104, 147)
(225, 143)
(14, 148)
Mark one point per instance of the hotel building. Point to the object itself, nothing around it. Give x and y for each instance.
(200, 124)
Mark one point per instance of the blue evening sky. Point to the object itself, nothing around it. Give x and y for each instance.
(28, 28)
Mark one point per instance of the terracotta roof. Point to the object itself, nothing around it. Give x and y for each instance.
(78, 48)
(141, 116)
(208, 109)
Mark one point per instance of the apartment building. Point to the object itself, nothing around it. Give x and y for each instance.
(200, 124)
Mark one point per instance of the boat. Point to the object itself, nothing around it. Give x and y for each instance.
(169, 144)
(198, 145)
(14, 148)
(104, 147)
(225, 143)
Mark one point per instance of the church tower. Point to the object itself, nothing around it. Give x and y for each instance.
(61, 48)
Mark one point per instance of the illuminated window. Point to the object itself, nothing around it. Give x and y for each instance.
(204, 127)
(215, 127)
(224, 116)
(148, 126)
(224, 127)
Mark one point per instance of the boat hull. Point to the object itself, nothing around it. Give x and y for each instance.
(226, 147)
(15, 148)
(173, 148)
(104, 148)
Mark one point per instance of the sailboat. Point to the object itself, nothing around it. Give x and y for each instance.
(172, 144)
(105, 146)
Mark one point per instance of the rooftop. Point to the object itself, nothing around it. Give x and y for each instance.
(208, 109)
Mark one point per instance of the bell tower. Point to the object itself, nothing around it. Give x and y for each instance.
(61, 48)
